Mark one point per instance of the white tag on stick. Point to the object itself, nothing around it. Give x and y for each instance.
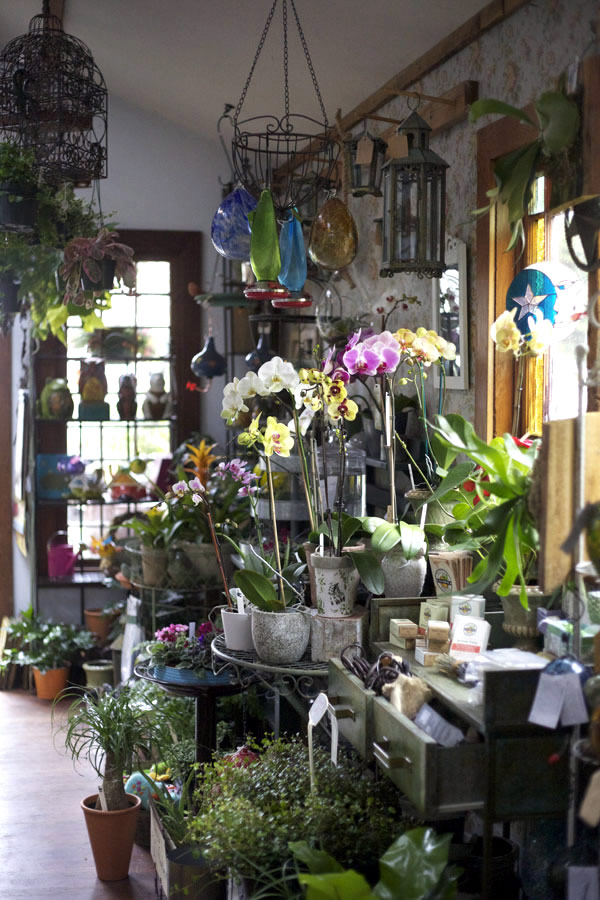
(364, 151)
(548, 701)
(574, 711)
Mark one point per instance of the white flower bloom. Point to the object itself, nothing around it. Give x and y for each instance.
(304, 420)
(196, 485)
(251, 386)
(277, 375)
(505, 333)
(233, 402)
(542, 334)
(449, 350)
(179, 488)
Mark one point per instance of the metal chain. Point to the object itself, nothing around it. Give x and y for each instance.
(286, 90)
(257, 54)
(309, 64)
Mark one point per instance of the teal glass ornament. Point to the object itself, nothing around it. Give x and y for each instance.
(293, 254)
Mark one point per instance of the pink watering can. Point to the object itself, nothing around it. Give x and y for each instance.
(61, 557)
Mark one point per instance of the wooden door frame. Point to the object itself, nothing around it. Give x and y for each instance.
(6, 478)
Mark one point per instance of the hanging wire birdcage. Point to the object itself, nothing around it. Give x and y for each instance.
(280, 153)
(53, 101)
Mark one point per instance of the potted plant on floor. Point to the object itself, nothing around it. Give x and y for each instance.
(49, 648)
(107, 731)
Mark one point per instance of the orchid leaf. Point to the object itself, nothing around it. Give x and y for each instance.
(259, 590)
(488, 106)
(369, 569)
(385, 537)
(413, 538)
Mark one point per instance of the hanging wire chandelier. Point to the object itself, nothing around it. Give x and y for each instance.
(53, 101)
(267, 150)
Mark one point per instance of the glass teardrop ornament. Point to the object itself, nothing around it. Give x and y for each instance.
(264, 244)
(293, 254)
(230, 229)
(333, 238)
(209, 362)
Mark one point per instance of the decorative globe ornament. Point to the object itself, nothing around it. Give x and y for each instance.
(208, 363)
(279, 151)
(53, 101)
(414, 206)
(230, 229)
(550, 291)
(333, 240)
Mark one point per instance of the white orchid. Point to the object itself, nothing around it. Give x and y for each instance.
(233, 401)
(277, 375)
(304, 419)
(251, 386)
(505, 333)
(542, 333)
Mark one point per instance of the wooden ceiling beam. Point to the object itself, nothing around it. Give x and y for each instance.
(57, 8)
(491, 15)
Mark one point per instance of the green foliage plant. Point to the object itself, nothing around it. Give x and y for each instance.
(489, 498)
(19, 175)
(46, 645)
(106, 730)
(83, 256)
(557, 126)
(248, 815)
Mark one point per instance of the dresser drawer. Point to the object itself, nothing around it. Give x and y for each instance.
(354, 708)
(438, 780)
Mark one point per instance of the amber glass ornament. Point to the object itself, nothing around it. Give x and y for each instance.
(333, 238)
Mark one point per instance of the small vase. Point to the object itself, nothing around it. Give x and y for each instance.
(237, 628)
(522, 623)
(402, 577)
(280, 638)
(336, 584)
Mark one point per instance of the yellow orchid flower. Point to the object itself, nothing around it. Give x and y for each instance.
(252, 435)
(277, 438)
(335, 392)
(347, 409)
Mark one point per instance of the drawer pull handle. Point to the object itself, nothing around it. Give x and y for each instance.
(343, 711)
(385, 758)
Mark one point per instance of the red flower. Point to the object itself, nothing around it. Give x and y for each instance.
(522, 442)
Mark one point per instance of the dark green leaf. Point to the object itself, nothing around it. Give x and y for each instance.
(336, 886)
(369, 569)
(258, 589)
(385, 537)
(316, 861)
(488, 106)
(559, 121)
(412, 867)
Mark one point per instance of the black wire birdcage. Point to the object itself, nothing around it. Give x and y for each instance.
(53, 101)
(279, 153)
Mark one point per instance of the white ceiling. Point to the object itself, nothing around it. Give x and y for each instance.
(184, 59)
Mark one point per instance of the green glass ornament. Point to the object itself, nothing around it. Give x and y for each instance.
(264, 242)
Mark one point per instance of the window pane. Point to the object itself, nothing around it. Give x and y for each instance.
(153, 277)
(153, 310)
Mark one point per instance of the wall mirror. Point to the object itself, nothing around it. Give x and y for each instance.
(449, 298)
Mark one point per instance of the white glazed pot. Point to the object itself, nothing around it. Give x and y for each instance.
(280, 638)
(237, 628)
(336, 584)
(402, 577)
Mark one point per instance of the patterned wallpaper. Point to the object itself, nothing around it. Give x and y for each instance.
(515, 62)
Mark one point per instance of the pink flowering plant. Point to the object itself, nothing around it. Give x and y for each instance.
(173, 646)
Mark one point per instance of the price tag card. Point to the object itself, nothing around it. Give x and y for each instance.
(548, 701)
(582, 883)
(574, 711)
(364, 151)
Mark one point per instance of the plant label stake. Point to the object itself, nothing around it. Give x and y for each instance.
(102, 799)
(192, 630)
(321, 706)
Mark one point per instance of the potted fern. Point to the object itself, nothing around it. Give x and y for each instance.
(19, 178)
(107, 731)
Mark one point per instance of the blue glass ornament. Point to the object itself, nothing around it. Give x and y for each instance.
(208, 363)
(230, 229)
(533, 295)
(293, 254)
(260, 355)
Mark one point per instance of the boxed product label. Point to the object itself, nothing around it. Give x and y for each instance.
(405, 643)
(438, 631)
(467, 605)
(403, 628)
(432, 609)
(425, 657)
(469, 635)
(438, 646)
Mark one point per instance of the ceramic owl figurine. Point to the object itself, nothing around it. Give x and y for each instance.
(126, 404)
(157, 403)
(92, 390)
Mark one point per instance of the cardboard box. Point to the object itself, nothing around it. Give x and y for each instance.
(466, 605)
(438, 631)
(469, 636)
(403, 628)
(438, 646)
(404, 643)
(432, 609)
(425, 657)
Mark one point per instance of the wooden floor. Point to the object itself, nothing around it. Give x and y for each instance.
(44, 849)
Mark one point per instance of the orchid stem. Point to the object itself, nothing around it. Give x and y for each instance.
(304, 472)
(213, 535)
(275, 535)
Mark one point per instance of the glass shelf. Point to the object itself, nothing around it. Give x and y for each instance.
(74, 501)
(136, 422)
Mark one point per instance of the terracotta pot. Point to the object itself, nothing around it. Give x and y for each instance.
(336, 584)
(99, 623)
(280, 638)
(48, 685)
(111, 836)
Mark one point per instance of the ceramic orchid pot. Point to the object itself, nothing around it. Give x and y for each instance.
(281, 638)
(237, 628)
(336, 585)
(403, 577)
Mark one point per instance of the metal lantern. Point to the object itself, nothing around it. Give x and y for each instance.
(364, 156)
(414, 206)
(53, 101)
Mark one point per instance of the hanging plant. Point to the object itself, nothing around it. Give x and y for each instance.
(558, 127)
(85, 266)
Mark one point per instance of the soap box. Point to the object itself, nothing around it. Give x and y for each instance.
(466, 605)
(469, 636)
(403, 628)
(425, 657)
(405, 643)
(432, 609)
